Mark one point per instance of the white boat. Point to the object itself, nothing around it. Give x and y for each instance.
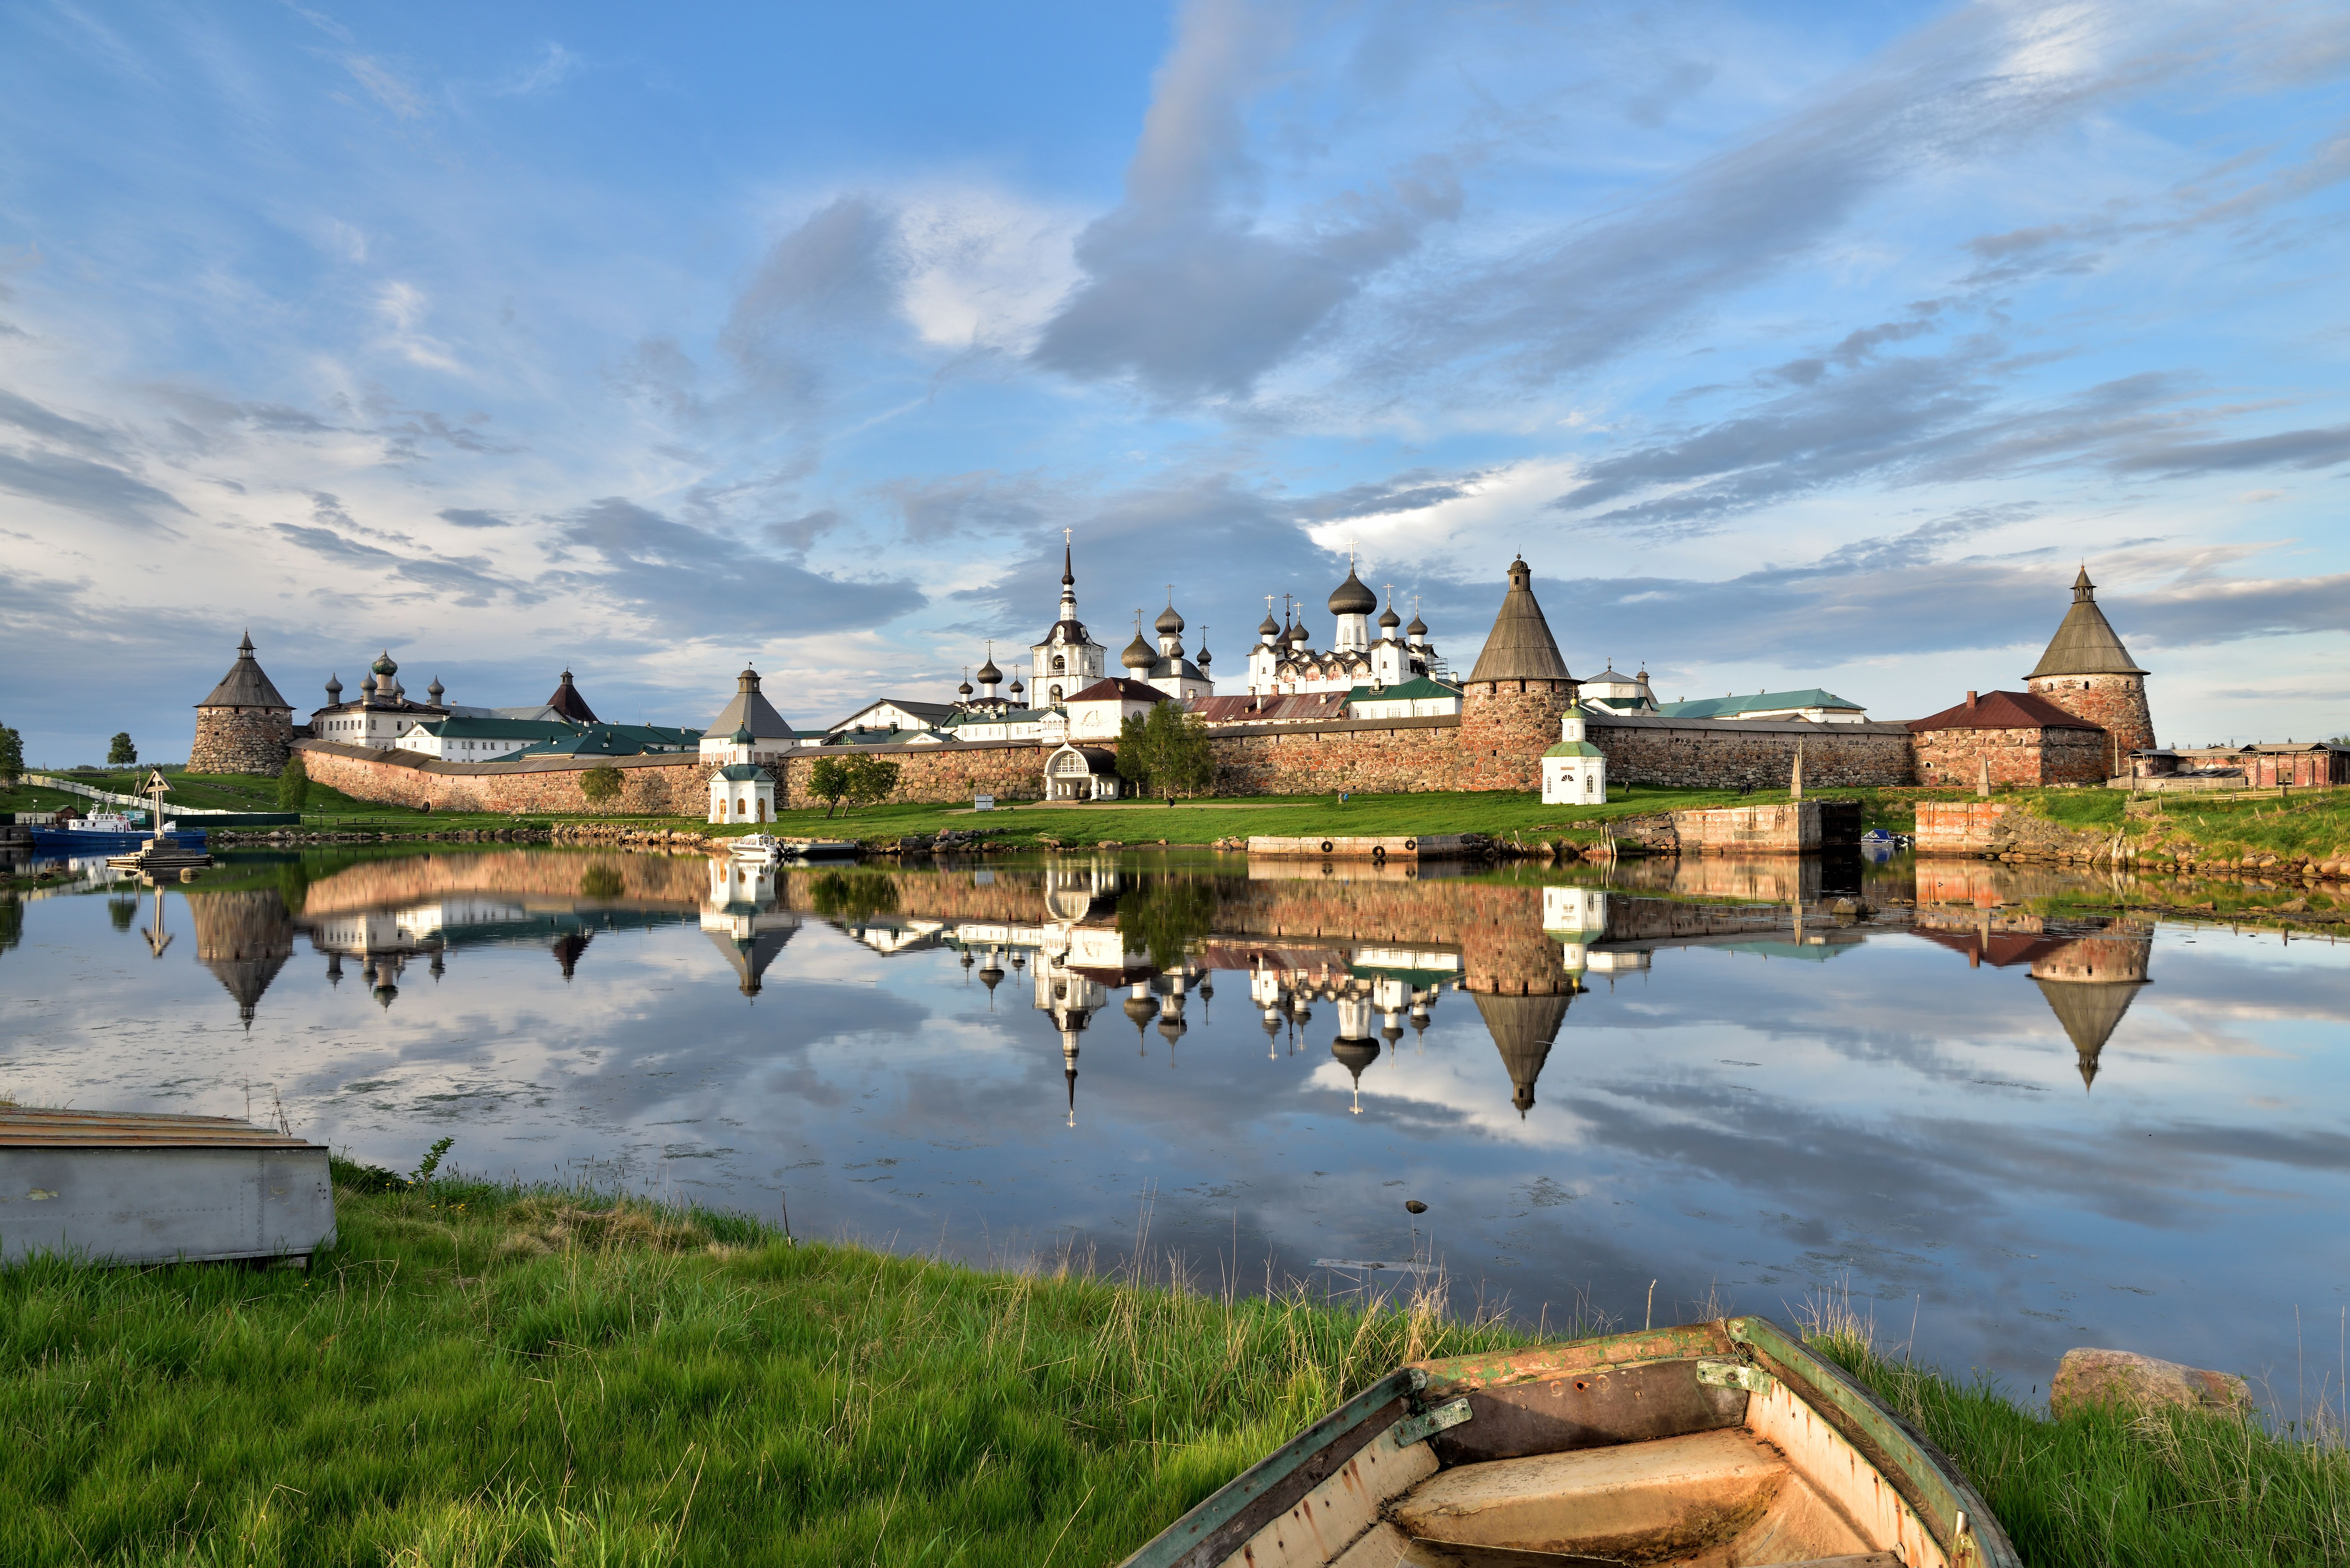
(107, 821)
(762, 847)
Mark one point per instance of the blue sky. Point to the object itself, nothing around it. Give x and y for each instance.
(1792, 346)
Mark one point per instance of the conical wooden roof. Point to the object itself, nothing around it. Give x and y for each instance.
(1523, 1028)
(244, 686)
(1519, 647)
(2086, 643)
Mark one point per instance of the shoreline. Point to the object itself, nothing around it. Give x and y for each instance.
(577, 1377)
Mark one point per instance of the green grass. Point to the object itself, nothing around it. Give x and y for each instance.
(2313, 822)
(480, 1374)
(2104, 1488)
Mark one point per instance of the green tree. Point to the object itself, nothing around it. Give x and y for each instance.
(293, 784)
(1166, 751)
(829, 780)
(119, 752)
(1165, 918)
(871, 780)
(601, 784)
(12, 755)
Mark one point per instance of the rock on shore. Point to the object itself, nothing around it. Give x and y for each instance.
(2087, 1378)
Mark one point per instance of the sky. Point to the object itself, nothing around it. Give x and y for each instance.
(1792, 345)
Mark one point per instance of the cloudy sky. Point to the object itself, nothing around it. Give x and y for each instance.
(1792, 345)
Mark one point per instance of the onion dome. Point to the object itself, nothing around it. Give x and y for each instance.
(1298, 634)
(1173, 1028)
(435, 690)
(1418, 628)
(1272, 1022)
(1351, 597)
(963, 690)
(384, 664)
(988, 674)
(367, 685)
(334, 690)
(1390, 621)
(1205, 659)
(742, 736)
(1390, 1032)
(1169, 623)
(1268, 626)
(1138, 654)
(1068, 573)
(1140, 1011)
(1017, 688)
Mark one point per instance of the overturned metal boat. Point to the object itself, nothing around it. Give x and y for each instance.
(1713, 1445)
(129, 1187)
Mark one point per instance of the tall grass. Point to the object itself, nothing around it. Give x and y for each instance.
(2117, 1488)
(482, 1375)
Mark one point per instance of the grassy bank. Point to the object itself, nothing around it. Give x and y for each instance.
(478, 1374)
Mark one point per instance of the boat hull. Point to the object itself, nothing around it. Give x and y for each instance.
(1703, 1445)
(77, 844)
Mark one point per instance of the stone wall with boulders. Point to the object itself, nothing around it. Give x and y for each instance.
(1750, 754)
(242, 740)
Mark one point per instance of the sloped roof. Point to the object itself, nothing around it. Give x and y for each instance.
(2085, 643)
(2002, 711)
(1287, 707)
(568, 702)
(468, 728)
(749, 707)
(2089, 1011)
(244, 686)
(1519, 647)
(1761, 702)
(1523, 1028)
(1418, 688)
(1110, 687)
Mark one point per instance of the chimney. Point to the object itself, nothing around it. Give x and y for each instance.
(1970, 698)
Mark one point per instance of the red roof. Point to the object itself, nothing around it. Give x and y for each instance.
(2004, 711)
(1119, 686)
(1285, 708)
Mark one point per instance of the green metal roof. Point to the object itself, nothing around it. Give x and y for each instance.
(739, 772)
(1760, 702)
(1420, 689)
(1574, 749)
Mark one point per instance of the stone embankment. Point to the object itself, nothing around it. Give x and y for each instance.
(1999, 830)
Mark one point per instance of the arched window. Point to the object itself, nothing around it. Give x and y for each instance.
(1060, 665)
(1056, 691)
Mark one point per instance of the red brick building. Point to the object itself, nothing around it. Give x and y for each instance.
(1511, 706)
(2029, 740)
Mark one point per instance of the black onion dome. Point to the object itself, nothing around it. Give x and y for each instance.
(1418, 628)
(988, 674)
(1268, 626)
(1169, 623)
(1206, 659)
(1389, 619)
(1138, 654)
(1351, 597)
(963, 689)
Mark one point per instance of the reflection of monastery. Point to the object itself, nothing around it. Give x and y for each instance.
(1368, 956)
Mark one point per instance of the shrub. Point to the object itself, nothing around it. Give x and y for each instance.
(293, 784)
(601, 784)
(119, 752)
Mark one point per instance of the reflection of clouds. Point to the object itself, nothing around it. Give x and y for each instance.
(1729, 1120)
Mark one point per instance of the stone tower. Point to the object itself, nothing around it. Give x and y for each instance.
(2087, 672)
(1510, 706)
(2091, 983)
(245, 726)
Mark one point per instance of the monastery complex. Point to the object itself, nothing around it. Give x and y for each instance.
(1378, 710)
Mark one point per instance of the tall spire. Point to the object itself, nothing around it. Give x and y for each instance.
(2085, 642)
(1519, 647)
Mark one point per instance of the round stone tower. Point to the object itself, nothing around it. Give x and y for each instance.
(1510, 707)
(2087, 672)
(245, 726)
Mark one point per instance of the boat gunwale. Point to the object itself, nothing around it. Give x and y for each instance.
(1180, 1542)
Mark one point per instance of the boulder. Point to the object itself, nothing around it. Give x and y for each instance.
(2087, 1378)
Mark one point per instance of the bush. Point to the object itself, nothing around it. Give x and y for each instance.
(601, 784)
(293, 784)
(1166, 751)
(119, 752)
(828, 781)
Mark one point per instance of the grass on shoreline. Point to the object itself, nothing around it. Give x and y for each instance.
(480, 1374)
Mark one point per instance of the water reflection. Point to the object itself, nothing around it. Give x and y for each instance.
(1598, 1077)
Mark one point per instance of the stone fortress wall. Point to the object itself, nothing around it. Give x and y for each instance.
(1512, 704)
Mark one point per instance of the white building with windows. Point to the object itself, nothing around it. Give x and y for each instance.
(1574, 772)
(771, 738)
(741, 789)
(1284, 662)
(478, 740)
(1097, 712)
(1081, 773)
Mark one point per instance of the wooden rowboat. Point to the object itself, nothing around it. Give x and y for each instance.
(1713, 1445)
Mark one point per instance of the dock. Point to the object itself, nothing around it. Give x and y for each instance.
(137, 1187)
(1428, 847)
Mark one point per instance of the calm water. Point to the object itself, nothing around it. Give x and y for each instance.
(2020, 1136)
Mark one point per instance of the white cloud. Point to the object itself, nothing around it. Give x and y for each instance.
(401, 306)
(984, 269)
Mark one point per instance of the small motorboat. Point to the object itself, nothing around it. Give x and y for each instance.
(1713, 1445)
(764, 848)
